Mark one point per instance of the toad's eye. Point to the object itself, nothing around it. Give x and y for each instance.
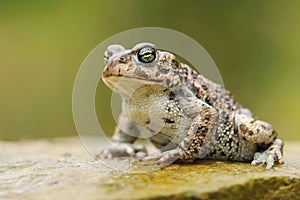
(146, 55)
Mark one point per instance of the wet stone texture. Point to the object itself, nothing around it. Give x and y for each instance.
(62, 169)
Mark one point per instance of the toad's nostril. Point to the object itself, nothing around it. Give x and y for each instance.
(122, 59)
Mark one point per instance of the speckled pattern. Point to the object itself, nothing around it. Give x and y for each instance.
(185, 115)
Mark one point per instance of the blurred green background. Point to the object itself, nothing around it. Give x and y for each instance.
(255, 44)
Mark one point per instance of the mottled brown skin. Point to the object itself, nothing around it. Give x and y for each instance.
(184, 114)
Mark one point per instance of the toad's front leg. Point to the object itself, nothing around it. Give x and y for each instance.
(199, 140)
(123, 141)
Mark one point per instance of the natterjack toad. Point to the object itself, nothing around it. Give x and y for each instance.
(184, 114)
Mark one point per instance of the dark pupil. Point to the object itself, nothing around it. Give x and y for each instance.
(146, 55)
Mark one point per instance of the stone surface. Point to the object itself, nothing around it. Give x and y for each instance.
(62, 169)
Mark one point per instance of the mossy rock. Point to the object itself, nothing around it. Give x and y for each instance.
(62, 169)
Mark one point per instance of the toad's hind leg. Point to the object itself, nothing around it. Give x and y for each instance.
(263, 136)
(269, 156)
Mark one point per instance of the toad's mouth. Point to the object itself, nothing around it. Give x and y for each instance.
(114, 82)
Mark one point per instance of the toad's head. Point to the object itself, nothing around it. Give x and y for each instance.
(141, 65)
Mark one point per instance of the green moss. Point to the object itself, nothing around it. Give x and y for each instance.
(209, 180)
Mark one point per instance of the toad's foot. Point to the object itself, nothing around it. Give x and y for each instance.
(269, 156)
(162, 159)
(122, 150)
